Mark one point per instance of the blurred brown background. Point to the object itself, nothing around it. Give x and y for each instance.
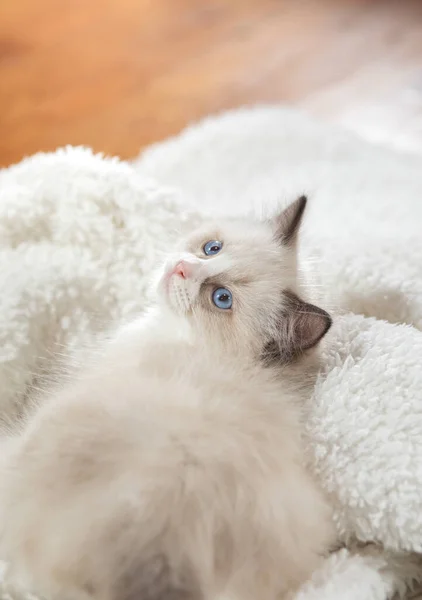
(120, 74)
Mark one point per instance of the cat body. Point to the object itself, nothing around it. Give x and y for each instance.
(171, 466)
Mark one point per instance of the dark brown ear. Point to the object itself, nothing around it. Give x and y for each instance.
(287, 223)
(301, 327)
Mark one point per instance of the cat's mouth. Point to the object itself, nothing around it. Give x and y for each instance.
(178, 295)
(179, 291)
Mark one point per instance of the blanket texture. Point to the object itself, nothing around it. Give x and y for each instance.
(79, 235)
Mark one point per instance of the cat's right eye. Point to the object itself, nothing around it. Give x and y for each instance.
(222, 298)
(212, 247)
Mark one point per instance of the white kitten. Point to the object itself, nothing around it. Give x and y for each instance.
(171, 467)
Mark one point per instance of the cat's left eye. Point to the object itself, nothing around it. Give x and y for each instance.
(222, 298)
(212, 247)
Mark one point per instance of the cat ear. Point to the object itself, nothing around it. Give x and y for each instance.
(287, 223)
(301, 327)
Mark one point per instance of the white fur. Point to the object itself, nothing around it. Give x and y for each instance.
(62, 214)
(173, 448)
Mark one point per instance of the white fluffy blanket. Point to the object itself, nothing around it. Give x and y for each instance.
(79, 234)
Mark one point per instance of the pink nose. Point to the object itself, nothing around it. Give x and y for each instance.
(183, 269)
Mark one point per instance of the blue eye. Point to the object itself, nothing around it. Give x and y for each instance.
(222, 298)
(212, 247)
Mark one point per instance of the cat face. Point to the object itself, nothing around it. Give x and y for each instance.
(235, 283)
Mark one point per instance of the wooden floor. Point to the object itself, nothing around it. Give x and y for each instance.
(120, 74)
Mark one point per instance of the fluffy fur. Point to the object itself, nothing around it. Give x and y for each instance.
(171, 467)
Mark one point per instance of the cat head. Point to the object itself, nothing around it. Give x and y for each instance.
(235, 282)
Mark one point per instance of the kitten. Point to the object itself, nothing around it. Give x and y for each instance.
(171, 467)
